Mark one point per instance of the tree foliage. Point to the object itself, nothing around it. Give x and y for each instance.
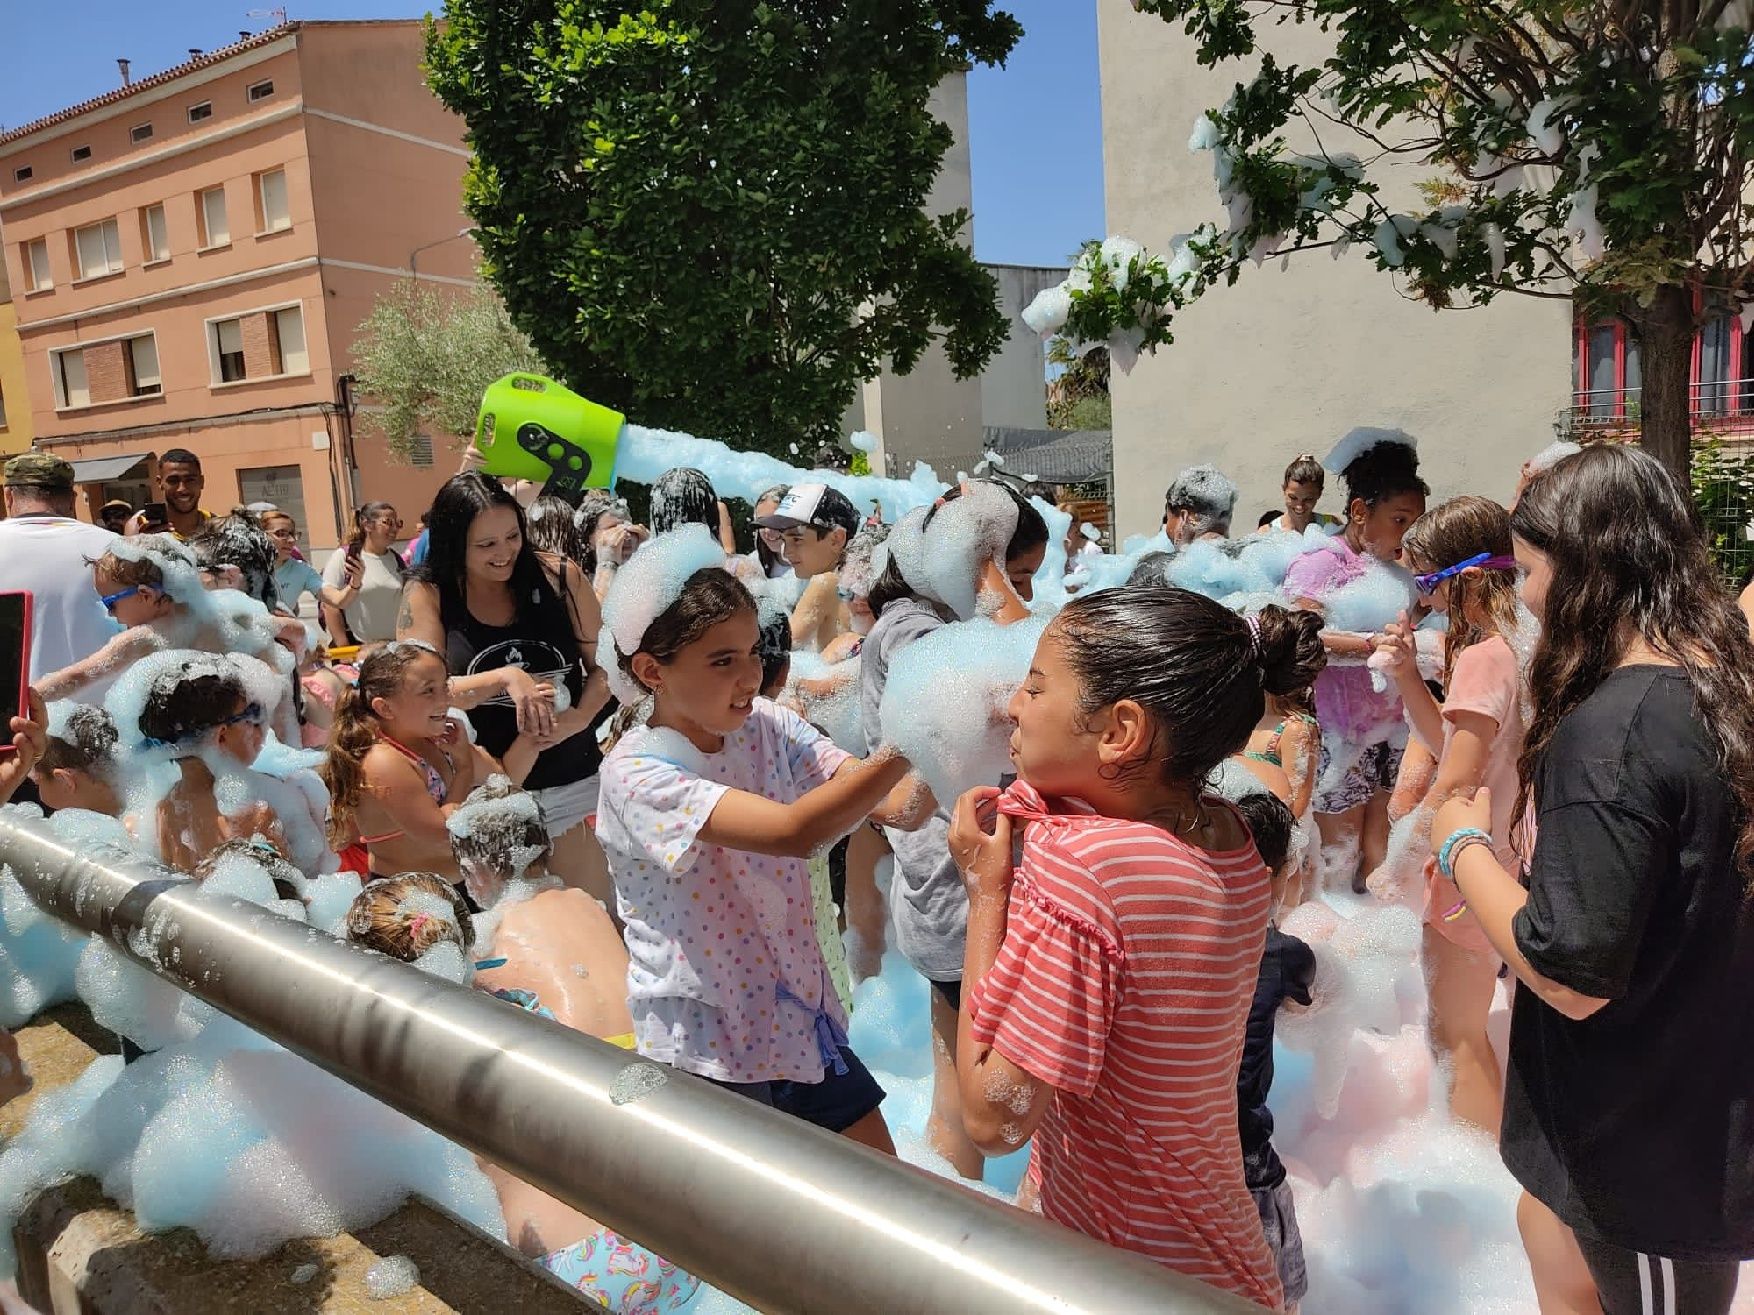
(709, 213)
(1596, 150)
(1078, 396)
(423, 358)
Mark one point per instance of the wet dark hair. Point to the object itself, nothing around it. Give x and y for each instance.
(182, 706)
(1629, 561)
(179, 456)
(454, 508)
(711, 595)
(495, 835)
(552, 530)
(1386, 470)
(1198, 668)
(1306, 469)
(86, 742)
(776, 646)
(684, 496)
(240, 540)
(1031, 533)
(596, 504)
(1271, 823)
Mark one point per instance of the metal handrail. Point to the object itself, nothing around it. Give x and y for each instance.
(779, 1214)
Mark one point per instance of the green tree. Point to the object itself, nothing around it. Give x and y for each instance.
(1078, 396)
(424, 357)
(1601, 151)
(708, 213)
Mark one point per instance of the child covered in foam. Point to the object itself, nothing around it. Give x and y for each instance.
(709, 813)
(199, 723)
(153, 587)
(418, 918)
(1108, 977)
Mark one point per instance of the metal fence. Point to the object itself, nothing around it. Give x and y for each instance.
(781, 1215)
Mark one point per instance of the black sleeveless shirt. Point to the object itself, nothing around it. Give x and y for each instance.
(542, 642)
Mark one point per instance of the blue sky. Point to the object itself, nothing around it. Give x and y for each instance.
(1034, 127)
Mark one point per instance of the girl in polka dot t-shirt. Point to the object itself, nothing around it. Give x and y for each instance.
(708, 816)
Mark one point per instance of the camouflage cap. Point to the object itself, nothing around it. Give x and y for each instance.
(39, 470)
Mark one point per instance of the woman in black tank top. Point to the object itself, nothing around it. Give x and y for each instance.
(513, 623)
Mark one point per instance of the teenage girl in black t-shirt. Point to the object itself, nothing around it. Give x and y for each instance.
(1629, 1096)
(517, 628)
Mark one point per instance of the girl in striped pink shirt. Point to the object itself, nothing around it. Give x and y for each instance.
(1108, 975)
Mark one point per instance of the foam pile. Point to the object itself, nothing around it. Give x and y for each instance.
(944, 704)
(650, 582)
(645, 454)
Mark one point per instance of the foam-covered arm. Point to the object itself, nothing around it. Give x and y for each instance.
(68, 681)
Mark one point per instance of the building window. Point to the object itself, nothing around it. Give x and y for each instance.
(2, 408)
(68, 369)
(261, 90)
(97, 249)
(22, 174)
(420, 452)
(143, 378)
(289, 341)
(140, 132)
(1605, 372)
(210, 211)
(203, 110)
(154, 235)
(228, 341)
(114, 370)
(34, 256)
(81, 154)
(272, 215)
(278, 345)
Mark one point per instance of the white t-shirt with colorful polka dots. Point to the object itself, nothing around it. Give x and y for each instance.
(725, 977)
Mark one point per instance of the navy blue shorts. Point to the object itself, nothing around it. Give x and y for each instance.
(836, 1103)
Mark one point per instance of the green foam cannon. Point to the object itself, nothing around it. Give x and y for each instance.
(536, 429)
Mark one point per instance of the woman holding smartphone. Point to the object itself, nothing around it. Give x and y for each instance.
(368, 576)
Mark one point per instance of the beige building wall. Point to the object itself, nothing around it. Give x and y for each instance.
(1286, 361)
(1014, 385)
(930, 415)
(15, 416)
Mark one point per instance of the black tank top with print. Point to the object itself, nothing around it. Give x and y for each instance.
(542, 642)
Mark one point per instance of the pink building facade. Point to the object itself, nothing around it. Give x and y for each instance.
(191, 257)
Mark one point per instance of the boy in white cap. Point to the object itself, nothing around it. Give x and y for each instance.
(816, 523)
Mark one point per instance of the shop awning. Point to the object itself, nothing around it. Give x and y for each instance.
(100, 469)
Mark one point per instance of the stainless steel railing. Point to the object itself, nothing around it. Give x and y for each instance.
(782, 1215)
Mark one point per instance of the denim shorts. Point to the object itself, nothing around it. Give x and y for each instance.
(836, 1103)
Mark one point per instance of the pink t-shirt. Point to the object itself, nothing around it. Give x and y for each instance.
(725, 977)
(1347, 704)
(1486, 680)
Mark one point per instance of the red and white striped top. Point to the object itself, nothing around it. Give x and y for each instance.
(1124, 982)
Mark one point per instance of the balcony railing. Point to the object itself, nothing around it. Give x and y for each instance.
(1722, 406)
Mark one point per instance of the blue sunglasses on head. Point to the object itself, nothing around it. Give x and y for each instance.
(1427, 584)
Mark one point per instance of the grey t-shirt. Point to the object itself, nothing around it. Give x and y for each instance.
(928, 905)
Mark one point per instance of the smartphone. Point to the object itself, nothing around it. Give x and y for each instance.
(154, 513)
(15, 618)
(354, 552)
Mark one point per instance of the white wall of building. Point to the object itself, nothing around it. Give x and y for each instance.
(1286, 361)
